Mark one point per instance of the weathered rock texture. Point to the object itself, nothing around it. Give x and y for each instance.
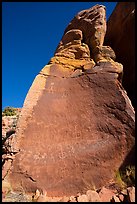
(8, 140)
(120, 36)
(77, 123)
(88, 27)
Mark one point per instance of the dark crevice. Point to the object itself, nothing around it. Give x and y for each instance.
(8, 134)
(26, 175)
(31, 179)
(127, 168)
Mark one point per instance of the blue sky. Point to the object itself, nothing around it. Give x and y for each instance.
(31, 32)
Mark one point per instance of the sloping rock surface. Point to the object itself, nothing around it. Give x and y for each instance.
(77, 124)
(120, 36)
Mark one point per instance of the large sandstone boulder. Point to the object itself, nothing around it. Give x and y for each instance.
(120, 36)
(77, 124)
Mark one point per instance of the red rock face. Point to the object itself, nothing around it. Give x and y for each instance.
(76, 126)
(120, 36)
(79, 133)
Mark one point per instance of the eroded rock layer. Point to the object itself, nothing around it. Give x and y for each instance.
(77, 123)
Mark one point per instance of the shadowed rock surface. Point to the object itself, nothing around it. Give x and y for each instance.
(120, 36)
(77, 124)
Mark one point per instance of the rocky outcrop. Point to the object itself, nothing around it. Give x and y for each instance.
(9, 124)
(8, 150)
(77, 124)
(88, 27)
(120, 36)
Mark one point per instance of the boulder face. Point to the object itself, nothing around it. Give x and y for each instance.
(120, 36)
(77, 124)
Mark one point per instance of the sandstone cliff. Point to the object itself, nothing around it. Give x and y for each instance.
(76, 128)
(120, 36)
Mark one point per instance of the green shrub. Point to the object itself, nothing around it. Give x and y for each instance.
(126, 176)
(9, 111)
(119, 180)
